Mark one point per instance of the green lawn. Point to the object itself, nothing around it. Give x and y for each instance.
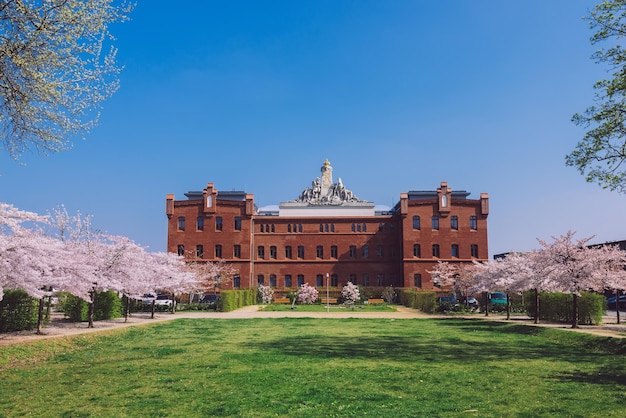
(303, 367)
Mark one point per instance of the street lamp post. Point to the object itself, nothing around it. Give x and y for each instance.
(327, 295)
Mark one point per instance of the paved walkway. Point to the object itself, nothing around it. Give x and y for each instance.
(59, 327)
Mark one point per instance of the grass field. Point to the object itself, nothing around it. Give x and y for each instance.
(303, 367)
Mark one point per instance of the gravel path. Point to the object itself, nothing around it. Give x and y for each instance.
(59, 327)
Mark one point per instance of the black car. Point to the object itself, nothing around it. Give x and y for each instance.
(446, 303)
(209, 300)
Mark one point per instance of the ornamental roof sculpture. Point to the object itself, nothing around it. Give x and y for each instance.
(324, 192)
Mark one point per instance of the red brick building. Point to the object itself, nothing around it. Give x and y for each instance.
(327, 230)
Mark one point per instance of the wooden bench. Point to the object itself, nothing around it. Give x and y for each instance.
(328, 300)
(372, 301)
(282, 300)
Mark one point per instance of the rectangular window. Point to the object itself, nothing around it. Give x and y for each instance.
(380, 252)
(321, 227)
(319, 251)
(288, 227)
(454, 222)
(237, 251)
(353, 251)
(260, 251)
(218, 251)
(417, 250)
(288, 253)
(333, 251)
(300, 251)
(236, 280)
(300, 228)
(473, 223)
(180, 249)
(319, 280)
(181, 223)
(334, 280)
(366, 251)
(273, 251)
(219, 223)
(474, 250)
(417, 280)
(366, 280)
(260, 280)
(272, 280)
(199, 251)
(435, 222)
(237, 223)
(200, 223)
(436, 250)
(352, 278)
(300, 279)
(380, 279)
(416, 222)
(455, 250)
(288, 282)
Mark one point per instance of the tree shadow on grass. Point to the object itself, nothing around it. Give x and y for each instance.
(472, 340)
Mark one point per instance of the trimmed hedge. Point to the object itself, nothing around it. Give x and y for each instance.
(424, 301)
(107, 306)
(557, 307)
(18, 311)
(234, 299)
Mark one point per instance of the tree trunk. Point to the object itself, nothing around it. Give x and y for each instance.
(508, 307)
(126, 307)
(90, 309)
(486, 300)
(575, 311)
(173, 303)
(153, 306)
(617, 295)
(536, 294)
(40, 315)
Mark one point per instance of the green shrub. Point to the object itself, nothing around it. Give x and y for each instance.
(557, 307)
(107, 305)
(75, 309)
(234, 299)
(18, 311)
(424, 301)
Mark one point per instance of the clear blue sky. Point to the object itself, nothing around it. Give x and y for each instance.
(398, 95)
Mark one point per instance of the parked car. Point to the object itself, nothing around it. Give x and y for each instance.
(498, 298)
(468, 301)
(159, 300)
(446, 303)
(147, 299)
(610, 302)
(163, 300)
(209, 300)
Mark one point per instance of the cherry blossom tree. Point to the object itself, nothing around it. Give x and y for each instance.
(307, 294)
(443, 274)
(573, 267)
(265, 293)
(212, 275)
(350, 294)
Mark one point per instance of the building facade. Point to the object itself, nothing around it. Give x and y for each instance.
(328, 233)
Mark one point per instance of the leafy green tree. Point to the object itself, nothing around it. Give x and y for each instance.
(56, 65)
(600, 156)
